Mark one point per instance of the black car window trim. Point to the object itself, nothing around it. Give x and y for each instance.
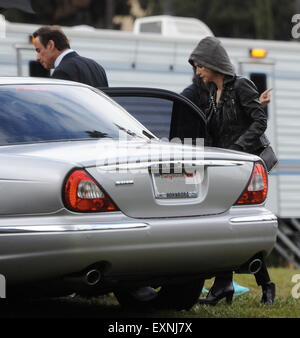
(155, 93)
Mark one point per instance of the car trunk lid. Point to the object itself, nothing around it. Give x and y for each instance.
(144, 180)
(176, 185)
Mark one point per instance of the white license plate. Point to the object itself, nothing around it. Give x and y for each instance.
(175, 186)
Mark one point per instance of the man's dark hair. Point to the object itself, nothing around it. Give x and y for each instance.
(54, 33)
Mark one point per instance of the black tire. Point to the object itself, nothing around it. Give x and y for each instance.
(179, 296)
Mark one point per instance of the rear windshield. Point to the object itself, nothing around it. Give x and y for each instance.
(41, 113)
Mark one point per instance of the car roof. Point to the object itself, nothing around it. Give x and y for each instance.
(4, 80)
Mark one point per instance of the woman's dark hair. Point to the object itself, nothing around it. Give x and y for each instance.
(203, 91)
(54, 33)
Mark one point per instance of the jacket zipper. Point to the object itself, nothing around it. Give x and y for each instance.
(234, 108)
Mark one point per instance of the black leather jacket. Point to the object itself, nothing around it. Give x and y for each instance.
(238, 121)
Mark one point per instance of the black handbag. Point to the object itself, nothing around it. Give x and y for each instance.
(269, 157)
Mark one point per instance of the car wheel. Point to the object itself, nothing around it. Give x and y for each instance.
(179, 296)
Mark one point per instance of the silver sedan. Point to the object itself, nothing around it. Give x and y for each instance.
(92, 202)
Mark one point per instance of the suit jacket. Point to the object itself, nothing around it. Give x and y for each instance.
(74, 67)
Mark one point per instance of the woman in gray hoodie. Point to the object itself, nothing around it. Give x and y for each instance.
(237, 121)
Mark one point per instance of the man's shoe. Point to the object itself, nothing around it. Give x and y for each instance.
(144, 293)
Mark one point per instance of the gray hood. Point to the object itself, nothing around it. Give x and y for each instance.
(211, 54)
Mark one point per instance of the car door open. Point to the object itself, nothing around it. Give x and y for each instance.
(166, 114)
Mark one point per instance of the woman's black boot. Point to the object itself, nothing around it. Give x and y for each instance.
(216, 293)
(268, 295)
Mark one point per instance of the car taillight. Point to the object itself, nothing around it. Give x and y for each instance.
(83, 194)
(257, 189)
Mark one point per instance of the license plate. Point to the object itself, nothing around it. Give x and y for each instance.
(175, 186)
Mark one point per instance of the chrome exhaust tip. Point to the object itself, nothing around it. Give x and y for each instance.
(255, 266)
(89, 277)
(92, 277)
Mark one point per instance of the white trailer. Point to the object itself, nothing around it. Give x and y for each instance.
(156, 55)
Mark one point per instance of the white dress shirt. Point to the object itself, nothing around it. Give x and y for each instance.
(61, 56)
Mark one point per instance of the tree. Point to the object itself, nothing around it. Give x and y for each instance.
(71, 12)
(265, 19)
(226, 18)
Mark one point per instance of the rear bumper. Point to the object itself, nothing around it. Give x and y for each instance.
(40, 229)
(34, 248)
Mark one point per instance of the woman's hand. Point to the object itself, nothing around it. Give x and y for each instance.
(265, 97)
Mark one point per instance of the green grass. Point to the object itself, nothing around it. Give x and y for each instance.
(245, 306)
(249, 306)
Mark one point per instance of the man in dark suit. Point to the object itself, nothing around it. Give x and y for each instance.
(53, 51)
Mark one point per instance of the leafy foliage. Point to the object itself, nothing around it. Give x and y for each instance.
(265, 19)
